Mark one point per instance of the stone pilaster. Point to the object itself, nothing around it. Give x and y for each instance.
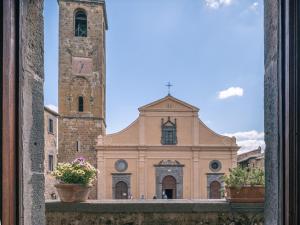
(101, 181)
(142, 181)
(195, 175)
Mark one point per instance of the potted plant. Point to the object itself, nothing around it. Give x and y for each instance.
(245, 185)
(75, 180)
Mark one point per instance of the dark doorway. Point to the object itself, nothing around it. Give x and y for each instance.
(121, 190)
(169, 187)
(215, 190)
(169, 193)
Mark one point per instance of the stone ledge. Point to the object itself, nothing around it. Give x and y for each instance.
(154, 206)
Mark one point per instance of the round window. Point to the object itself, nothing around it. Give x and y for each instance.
(121, 165)
(215, 165)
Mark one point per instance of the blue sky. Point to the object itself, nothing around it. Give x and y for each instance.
(203, 47)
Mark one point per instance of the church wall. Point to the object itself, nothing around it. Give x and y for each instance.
(207, 136)
(205, 158)
(128, 136)
(171, 106)
(153, 131)
(110, 159)
(147, 131)
(153, 159)
(141, 167)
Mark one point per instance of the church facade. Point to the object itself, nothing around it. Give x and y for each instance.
(168, 152)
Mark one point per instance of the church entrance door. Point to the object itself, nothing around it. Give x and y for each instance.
(215, 192)
(169, 187)
(121, 190)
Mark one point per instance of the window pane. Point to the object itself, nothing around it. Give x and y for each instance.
(50, 163)
(80, 24)
(169, 134)
(50, 125)
(80, 104)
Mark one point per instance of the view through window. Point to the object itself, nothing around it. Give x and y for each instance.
(166, 97)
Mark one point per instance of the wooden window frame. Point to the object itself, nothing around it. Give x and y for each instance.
(289, 77)
(289, 111)
(9, 113)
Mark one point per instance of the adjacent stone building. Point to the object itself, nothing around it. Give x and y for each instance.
(82, 26)
(254, 158)
(168, 152)
(50, 151)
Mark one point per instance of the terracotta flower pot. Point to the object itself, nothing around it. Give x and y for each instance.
(73, 192)
(246, 194)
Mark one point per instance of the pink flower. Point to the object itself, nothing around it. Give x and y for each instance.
(80, 161)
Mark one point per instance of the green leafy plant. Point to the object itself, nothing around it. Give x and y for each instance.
(239, 177)
(77, 172)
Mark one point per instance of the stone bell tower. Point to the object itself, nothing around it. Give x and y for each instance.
(82, 82)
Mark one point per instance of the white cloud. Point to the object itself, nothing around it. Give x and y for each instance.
(249, 140)
(231, 92)
(254, 6)
(253, 134)
(249, 145)
(53, 107)
(215, 4)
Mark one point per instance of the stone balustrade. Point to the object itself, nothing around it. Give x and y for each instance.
(154, 212)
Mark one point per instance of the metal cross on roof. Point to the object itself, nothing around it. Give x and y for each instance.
(169, 85)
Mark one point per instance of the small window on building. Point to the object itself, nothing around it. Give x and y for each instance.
(215, 165)
(80, 104)
(78, 146)
(169, 136)
(50, 163)
(50, 126)
(80, 24)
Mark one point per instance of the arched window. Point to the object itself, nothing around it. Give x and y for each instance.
(169, 136)
(80, 24)
(80, 104)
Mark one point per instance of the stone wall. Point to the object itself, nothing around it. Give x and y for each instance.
(31, 111)
(254, 158)
(86, 132)
(272, 107)
(157, 212)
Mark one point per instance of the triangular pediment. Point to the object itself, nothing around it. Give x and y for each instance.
(169, 103)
